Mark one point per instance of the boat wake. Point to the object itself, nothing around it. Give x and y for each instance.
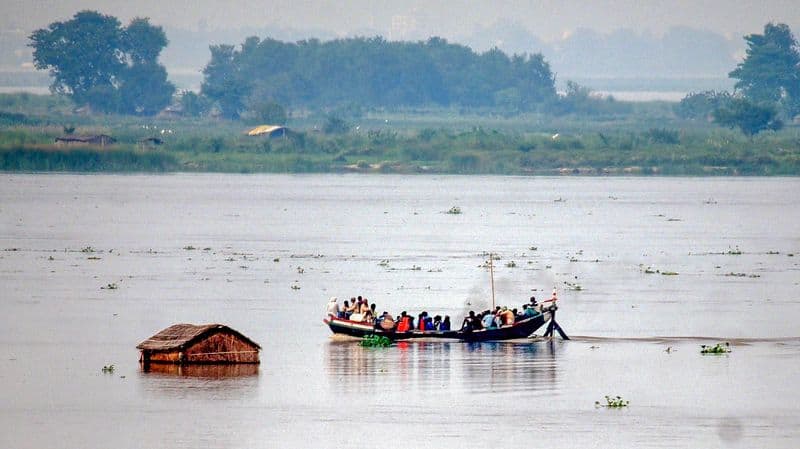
(685, 339)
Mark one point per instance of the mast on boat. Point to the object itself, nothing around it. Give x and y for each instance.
(491, 275)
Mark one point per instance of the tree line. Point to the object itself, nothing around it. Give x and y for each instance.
(373, 72)
(767, 89)
(96, 61)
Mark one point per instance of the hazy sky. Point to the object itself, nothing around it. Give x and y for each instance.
(546, 19)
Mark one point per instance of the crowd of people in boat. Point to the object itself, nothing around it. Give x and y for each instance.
(361, 310)
(500, 316)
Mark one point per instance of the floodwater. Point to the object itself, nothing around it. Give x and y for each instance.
(263, 253)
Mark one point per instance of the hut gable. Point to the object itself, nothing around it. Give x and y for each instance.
(205, 343)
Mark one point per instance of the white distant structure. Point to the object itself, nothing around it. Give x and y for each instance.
(268, 130)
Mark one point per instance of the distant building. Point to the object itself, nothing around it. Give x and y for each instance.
(204, 343)
(268, 131)
(99, 139)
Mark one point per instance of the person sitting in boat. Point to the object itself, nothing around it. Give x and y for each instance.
(363, 308)
(528, 311)
(533, 302)
(385, 322)
(351, 309)
(506, 317)
(421, 320)
(405, 323)
(429, 324)
(437, 322)
(470, 323)
(478, 323)
(367, 312)
(445, 326)
(496, 314)
(333, 307)
(487, 319)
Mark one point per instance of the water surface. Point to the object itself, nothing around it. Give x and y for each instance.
(230, 249)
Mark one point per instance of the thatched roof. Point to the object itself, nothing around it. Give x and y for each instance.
(179, 336)
(266, 129)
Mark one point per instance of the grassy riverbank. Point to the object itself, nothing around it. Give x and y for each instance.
(646, 139)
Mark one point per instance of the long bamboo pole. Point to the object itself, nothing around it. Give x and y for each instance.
(491, 275)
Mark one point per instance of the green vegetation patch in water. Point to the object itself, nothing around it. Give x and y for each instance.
(375, 341)
(719, 348)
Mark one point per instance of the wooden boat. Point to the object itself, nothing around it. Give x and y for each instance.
(520, 329)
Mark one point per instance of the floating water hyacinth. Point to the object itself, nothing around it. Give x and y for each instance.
(375, 341)
(613, 402)
(719, 348)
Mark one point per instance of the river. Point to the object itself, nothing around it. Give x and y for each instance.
(647, 270)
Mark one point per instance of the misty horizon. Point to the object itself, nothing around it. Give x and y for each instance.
(620, 40)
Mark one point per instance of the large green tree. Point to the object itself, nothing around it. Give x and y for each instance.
(771, 70)
(96, 61)
(749, 117)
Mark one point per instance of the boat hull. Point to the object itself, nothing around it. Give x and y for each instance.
(520, 329)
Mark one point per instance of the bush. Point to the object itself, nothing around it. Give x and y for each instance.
(749, 117)
(464, 162)
(83, 159)
(663, 135)
(335, 125)
(193, 105)
(701, 105)
(14, 118)
(266, 112)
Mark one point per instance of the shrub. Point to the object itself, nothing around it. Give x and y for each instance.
(335, 125)
(663, 135)
(464, 162)
(701, 105)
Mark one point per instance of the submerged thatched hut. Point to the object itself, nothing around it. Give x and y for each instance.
(204, 343)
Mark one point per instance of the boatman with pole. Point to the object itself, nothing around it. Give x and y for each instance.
(553, 325)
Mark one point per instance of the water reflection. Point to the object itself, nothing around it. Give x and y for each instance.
(211, 371)
(421, 365)
(510, 366)
(229, 381)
